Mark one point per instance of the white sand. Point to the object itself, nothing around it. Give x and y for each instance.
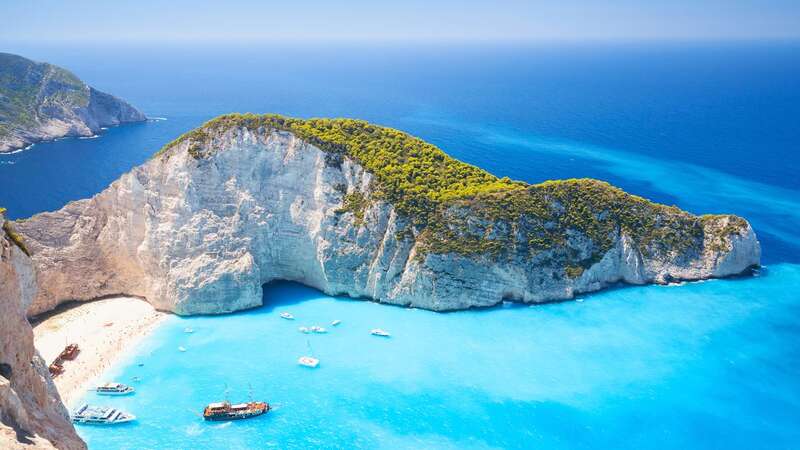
(104, 330)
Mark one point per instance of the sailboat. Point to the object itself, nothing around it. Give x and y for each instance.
(308, 361)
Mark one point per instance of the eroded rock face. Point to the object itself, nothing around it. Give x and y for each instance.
(40, 101)
(31, 412)
(202, 236)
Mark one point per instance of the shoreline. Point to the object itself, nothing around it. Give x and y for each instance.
(106, 331)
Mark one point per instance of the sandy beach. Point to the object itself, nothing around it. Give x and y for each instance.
(104, 329)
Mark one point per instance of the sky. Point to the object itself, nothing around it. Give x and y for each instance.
(397, 20)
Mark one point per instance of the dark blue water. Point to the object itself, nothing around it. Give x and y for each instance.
(711, 128)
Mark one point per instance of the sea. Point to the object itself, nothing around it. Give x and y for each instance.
(711, 127)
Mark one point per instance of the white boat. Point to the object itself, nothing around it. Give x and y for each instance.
(113, 389)
(379, 332)
(188, 330)
(317, 329)
(304, 330)
(308, 361)
(100, 415)
(181, 349)
(336, 322)
(287, 316)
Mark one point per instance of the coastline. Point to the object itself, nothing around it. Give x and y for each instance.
(105, 330)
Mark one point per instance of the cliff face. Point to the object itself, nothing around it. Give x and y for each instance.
(31, 413)
(40, 101)
(201, 226)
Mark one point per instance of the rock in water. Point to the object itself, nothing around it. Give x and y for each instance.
(31, 413)
(352, 208)
(40, 101)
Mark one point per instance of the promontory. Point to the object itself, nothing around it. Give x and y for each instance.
(40, 101)
(356, 209)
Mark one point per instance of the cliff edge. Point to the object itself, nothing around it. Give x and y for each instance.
(40, 101)
(352, 208)
(31, 413)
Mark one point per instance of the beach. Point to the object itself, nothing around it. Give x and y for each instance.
(105, 330)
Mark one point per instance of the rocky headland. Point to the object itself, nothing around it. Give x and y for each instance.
(40, 101)
(352, 208)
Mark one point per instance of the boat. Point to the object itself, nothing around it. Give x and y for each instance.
(308, 361)
(188, 330)
(100, 415)
(287, 316)
(70, 352)
(181, 349)
(336, 322)
(222, 411)
(56, 368)
(305, 330)
(113, 389)
(136, 379)
(379, 332)
(317, 329)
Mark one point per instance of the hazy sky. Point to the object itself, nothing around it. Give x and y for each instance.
(151, 20)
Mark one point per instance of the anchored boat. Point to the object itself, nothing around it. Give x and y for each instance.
(99, 415)
(114, 389)
(225, 411)
(308, 361)
(379, 332)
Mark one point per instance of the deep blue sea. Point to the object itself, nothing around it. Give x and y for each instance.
(712, 128)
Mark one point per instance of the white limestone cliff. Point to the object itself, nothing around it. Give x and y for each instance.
(202, 235)
(31, 413)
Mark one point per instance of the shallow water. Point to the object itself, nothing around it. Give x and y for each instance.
(647, 367)
(710, 128)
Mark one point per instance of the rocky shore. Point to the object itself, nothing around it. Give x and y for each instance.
(40, 101)
(249, 199)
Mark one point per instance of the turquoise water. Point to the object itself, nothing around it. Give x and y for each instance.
(646, 367)
(711, 128)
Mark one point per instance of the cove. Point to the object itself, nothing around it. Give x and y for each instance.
(699, 365)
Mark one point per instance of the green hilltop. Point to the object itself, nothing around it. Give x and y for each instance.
(26, 85)
(461, 208)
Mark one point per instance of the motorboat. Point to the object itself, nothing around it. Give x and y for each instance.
(181, 349)
(287, 316)
(319, 330)
(100, 415)
(336, 322)
(308, 361)
(379, 332)
(113, 389)
(305, 330)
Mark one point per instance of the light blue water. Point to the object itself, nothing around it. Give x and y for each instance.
(711, 128)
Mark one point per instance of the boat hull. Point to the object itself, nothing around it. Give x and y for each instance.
(234, 417)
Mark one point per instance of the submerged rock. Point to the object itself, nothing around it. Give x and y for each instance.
(351, 208)
(31, 413)
(40, 101)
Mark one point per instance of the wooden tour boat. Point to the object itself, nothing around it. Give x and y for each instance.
(222, 411)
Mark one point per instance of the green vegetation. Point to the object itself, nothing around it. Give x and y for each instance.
(464, 209)
(355, 203)
(26, 86)
(15, 238)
